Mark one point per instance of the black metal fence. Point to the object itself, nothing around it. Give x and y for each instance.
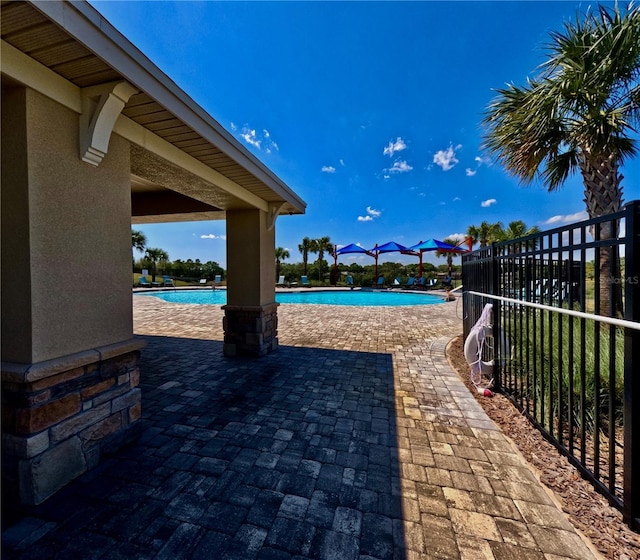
(566, 344)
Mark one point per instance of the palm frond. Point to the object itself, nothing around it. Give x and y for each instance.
(586, 99)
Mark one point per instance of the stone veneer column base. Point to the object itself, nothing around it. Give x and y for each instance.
(60, 416)
(250, 330)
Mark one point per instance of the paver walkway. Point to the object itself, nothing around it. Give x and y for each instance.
(355, 440)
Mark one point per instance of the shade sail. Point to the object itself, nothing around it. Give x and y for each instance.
(391, 247)
(435, 245)
(352, 248)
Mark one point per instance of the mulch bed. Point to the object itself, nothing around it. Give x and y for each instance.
(588, 510)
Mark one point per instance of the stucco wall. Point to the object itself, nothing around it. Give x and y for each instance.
(250, 258)
(15, 298)
(77, 289)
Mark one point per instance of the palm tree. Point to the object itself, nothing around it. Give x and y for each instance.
(305, 249)
(322, 244)
(138, 240)
(155, 256)
(451, 241)
(577, 116)
(281, 254)
(485, 233)
(313, 246)
(517, 229)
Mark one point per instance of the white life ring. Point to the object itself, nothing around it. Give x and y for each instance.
(473, 350)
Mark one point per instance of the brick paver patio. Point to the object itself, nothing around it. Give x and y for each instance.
(355, 440)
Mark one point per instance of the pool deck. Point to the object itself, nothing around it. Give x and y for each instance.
(355, 440)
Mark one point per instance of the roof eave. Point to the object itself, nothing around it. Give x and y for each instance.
(91, 29)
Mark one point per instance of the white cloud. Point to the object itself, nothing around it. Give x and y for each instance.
(372, 214)
(260, 140)
(488, 202)
(213, 236)
(566, 219)
(446, 159)
(457, 237)
(328, 169)
(269, 143)
(400, 166)
(250, 137)
(393, 147)
(342, 163)
(480, 161)
(456, 198)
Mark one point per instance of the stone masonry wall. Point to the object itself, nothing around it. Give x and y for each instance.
(250, 331)
(56, 424)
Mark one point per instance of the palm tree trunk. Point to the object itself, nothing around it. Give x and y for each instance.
(603, 196)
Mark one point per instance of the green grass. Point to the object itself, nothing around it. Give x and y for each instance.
(177, 283)
(557, 372)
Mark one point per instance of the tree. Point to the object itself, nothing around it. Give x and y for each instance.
(138, 240)
(305, 249)
(322, 244)
(485, 233)
(517, 229)
(154, 256)
(313, 247)
(451, 241)
(210, 269)
(577, 115)
(281, 255)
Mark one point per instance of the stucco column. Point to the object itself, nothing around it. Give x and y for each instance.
(251, 320)
(69, 360)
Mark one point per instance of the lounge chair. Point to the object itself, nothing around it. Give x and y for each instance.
(143, 282)
(420, 282)
(167, 281)
(409, 283)
(432, 283)
(280, 281)
(203, 281)
(216, 280)
(380, 282)
(396, 281)
(350, 280)
(304, 281)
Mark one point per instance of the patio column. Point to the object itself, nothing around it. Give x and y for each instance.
(251, 319)
(69, 360)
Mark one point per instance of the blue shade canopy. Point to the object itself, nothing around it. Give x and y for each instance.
(391, 247)
(435, 245)
(352, 248)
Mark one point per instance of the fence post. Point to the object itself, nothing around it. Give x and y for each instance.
(631, 492)
(466, 283)
(497, 316)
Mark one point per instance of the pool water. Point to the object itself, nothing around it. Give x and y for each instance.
(327, 297)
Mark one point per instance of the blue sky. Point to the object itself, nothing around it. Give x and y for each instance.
(370, 111)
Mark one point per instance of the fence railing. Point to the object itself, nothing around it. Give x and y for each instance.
(566, 332)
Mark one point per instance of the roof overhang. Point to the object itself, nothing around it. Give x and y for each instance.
(184, 164)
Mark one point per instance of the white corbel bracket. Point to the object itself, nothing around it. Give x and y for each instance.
(101, 106)
(274, 210)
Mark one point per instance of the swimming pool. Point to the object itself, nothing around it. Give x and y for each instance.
(326, 297)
